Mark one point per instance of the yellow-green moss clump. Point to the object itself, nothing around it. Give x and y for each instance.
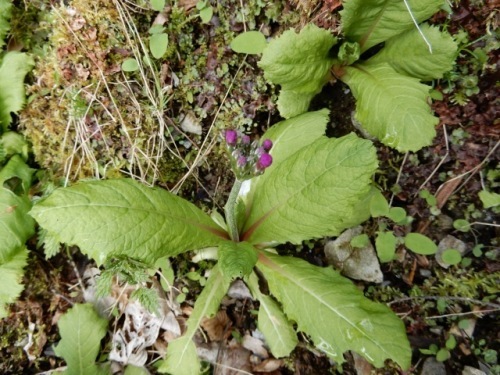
(87, 118)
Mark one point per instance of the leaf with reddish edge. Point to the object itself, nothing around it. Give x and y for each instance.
(125, 217)
(311, 193)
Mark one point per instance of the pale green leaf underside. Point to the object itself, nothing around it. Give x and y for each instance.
(312, 193)
(299, 62)
(408, 53)
(336, 315)
(15, 224)
(272, 322)
(11, 274)
(370, 22)
(392, 107)
(293, 103)
(81, 330)
(15, 66)
(125, 217)
(182, 358)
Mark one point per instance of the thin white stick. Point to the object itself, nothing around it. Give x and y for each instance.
(418, 27)
(440, 162)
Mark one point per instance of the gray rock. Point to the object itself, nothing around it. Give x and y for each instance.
(472, 371)
(356, 263)
(449, 242)
(433, 367)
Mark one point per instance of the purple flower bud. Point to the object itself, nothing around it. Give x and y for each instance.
(267, 144)
(231, 137)
(245, 139)
(265, 161)
(241, 162)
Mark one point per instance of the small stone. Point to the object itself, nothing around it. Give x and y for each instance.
(472, 371)
(449, 242)
(433, 367)
(190, 124)
(356, 263)
(238, 290)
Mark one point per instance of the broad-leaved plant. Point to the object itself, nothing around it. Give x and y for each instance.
(392, 103)
(312, 186)
(16, 226)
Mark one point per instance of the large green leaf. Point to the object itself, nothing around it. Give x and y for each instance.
(370, 22)
(125, 217)
(15, 66)
(5, 14)
(301, 64)
(272, 322)
(288, 137)
(182, 358)
(392, 107)
(333, 311)
(11, 274)
(312, 193)
(15, 224)
(82, 330)
(409, 54)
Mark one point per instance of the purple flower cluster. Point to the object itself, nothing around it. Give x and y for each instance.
(248, 158)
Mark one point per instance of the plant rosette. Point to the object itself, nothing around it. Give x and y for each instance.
(311, 186)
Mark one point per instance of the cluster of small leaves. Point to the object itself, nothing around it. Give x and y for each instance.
(462, 81)
(391, 102)
(125, 270)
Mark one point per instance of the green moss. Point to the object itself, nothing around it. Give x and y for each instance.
(85, 118)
